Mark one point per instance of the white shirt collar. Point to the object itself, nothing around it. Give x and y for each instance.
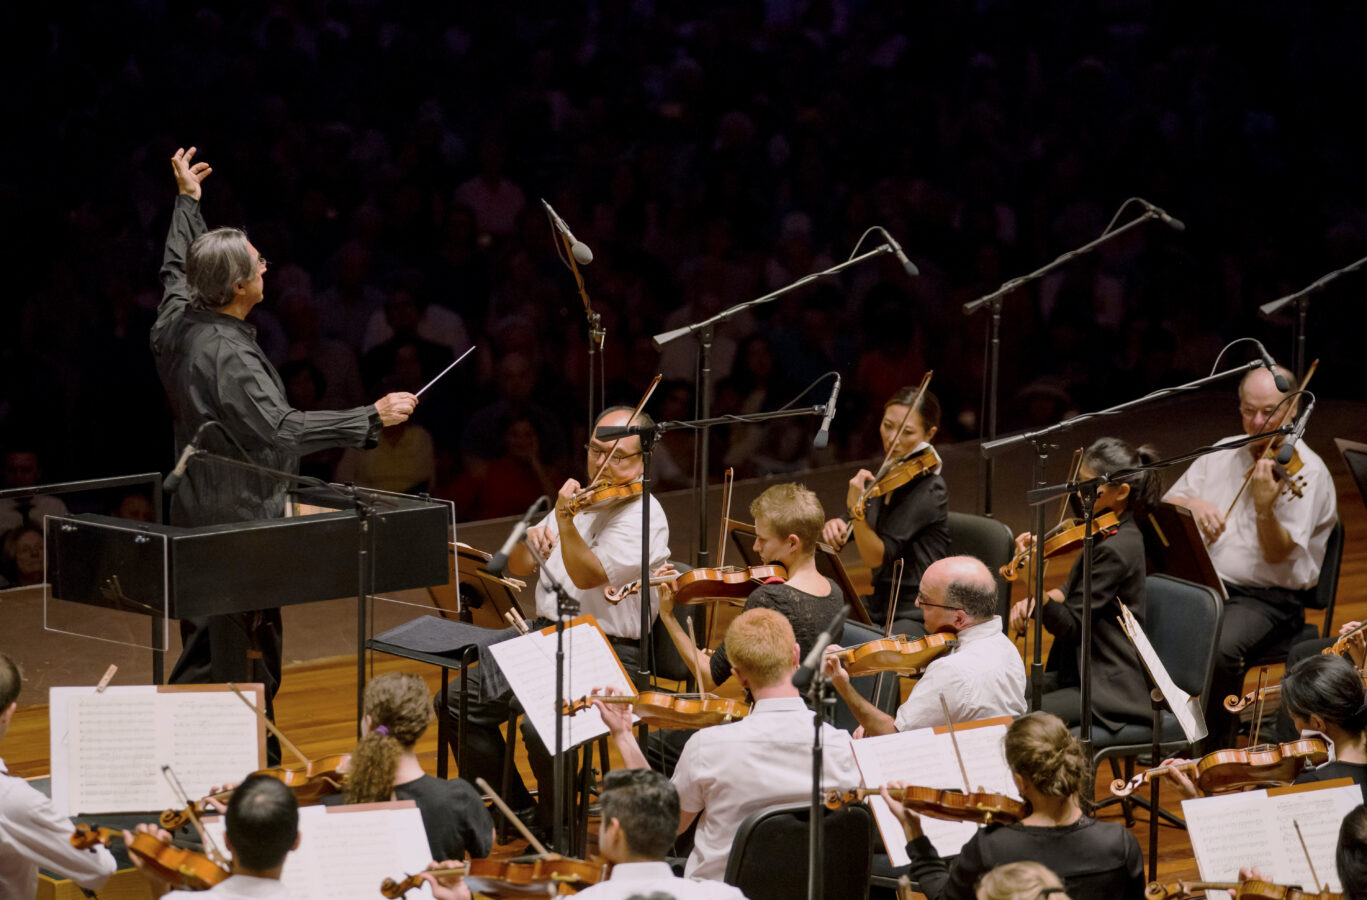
(641, 871)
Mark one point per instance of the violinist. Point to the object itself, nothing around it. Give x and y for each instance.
(1351, 855)
(788, 520)
(384, 766)
(909, 523)
(1095, 860)
(640, 814)
(584, 552)
(262, 828)
(32, 833)
(1268, 551)
(1324, 696)
(983, 675)
(1120, 693)
(1351, 644)
(727, 772)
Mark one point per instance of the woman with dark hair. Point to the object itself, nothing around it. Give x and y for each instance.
(1120, 692)
(384, 766)
(1093, 859)
(909, 523)
(1351, 856)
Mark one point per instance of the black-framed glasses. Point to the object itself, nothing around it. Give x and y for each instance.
(616, 459)
(922, 601)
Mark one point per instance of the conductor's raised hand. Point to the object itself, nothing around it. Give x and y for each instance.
(396, 407)
(189, 174)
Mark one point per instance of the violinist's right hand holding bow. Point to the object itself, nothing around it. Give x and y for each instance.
(835, 673)
(911, 823)
(447, 887)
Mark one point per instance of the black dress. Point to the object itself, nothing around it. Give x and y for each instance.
(913, 523)
(807, 613)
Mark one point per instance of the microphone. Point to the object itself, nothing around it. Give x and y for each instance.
(1174, 224)
(897, 251)
(823, 437)
(1278, 378)
(803, 676)
(582, 254)
(1288, 448)
(177, 475)
(499, 562)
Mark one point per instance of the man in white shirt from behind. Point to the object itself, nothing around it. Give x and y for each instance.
(32, 832)
(981, 678)
(727, 772)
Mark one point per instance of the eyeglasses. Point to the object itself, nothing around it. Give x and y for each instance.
(596, 452)
(1248, 412)
(922, 601)
(261, 262)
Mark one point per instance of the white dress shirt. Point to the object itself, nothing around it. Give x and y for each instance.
(630, 879)
(33, 834)
(1236, 553)
(240, 887)
(613, 533)
(729, 771)
(982, 677)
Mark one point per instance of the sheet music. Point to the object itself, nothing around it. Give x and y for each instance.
(1185, 707)
(1255, 829)
(107, 749)
(926, 759)
(345, 852)
(528, 662)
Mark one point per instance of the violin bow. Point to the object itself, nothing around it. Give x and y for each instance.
(1271, 445)
(511, 816)
(892, 449)
(949, 723)
(654, 383)
(210, 845)
(270, 726)
(897, 568)
(1258, 706)
(692, 660)
(1319, 885)
(728, 483)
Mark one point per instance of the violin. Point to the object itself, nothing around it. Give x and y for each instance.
(678, 711)
(1252, 889)
(725, 583)
(904, 471)
(394, 889)
(1235, 703)
(176, 866)
(604, 494)
(895, 654)
(568, 874)
(1267, 765)
(310, 784)
(1340, 646)
(1066, 537)
(953, 805)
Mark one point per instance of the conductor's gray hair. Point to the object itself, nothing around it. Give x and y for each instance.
(218, 261)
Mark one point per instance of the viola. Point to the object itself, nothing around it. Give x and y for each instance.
(1066, 537)
(1266, 765)
(895, 654)
(678, 711)
(907, 469)
(725, 583)
(394, 889)
(1340, 646)
(309, 784)
(1235, 703)
(1252, 889)
(604, 494)
(982, 807)
(176, 866)
(564, 872)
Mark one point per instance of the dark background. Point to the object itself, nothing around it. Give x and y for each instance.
(708, 153)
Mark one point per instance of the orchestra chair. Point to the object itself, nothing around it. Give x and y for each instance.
(1182, 622)
(768, 859)
(668, 663)
(991, 541)
(853, 635)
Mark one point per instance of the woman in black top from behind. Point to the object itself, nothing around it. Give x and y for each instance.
(384, 766)
(1098, 860)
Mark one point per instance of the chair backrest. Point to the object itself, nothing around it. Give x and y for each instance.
(853, 635)
(991, 541)
(668, 663)
(1328, 585)
(768, 859)
(1182, 621)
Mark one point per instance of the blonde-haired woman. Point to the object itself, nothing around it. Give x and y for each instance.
(1021, 881)
(1095, 860)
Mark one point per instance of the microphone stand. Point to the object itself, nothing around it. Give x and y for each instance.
(1088, 490)
(821, 704)
(365, 548)
(703, 385)
(595, 322)
(993, 359)
(1302, 300)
